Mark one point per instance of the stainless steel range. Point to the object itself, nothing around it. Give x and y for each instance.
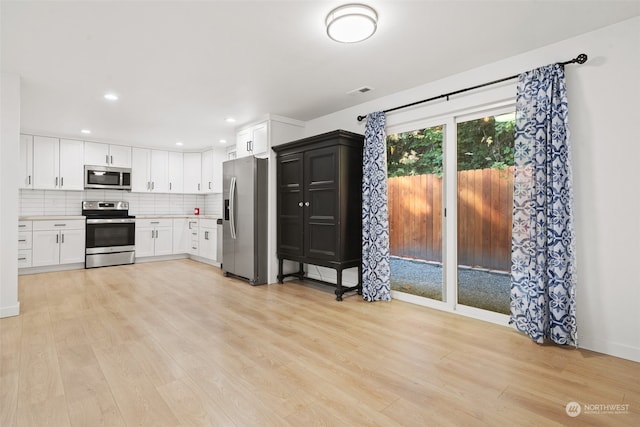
(110, 232)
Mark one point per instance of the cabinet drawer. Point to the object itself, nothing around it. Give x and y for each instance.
(24, 240)
(208, 223)
(60, 224)
(154, 222)
(24, 258)
(25, 225)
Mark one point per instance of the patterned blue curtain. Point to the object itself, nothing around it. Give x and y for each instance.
(376, 272)
(543, 274)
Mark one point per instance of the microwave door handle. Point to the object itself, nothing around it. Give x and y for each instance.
(232, 207)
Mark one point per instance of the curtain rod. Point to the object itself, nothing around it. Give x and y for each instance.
(580, 59)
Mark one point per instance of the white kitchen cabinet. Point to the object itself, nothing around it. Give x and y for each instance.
(207, 243)
(58, 242)
(181, 236)
(192, 232)
(252, 141)
(176, 172)
(212, 170)
(58, 164)
(149, 170)
(154, 237)
(25, 236)
(192, 172)
(26, 161)
(97, 153)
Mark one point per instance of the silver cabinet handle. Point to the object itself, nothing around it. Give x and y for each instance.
(56, 181)
(209, 185)
(57, 238)
(148, 185)
(22, 240)
(22, 225)
(301, 204)
(62, 181)
(59, 225)
(153, 185)
(206, 235)
(22, 258)
(29, 179)
(306, 203)
(169, 186)
(62, 240)
(111, 159)
(155, 222)
(106, 158)
(198, 186)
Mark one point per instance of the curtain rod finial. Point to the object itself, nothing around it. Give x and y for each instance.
(582, 58)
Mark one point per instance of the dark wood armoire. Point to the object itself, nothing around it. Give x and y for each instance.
(319, 196)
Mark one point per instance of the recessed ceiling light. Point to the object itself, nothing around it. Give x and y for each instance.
(179, 143)
(87, 131)
(223, 141)
(111, 96)
(230, 120)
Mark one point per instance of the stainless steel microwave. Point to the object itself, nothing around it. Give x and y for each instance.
(107, 177)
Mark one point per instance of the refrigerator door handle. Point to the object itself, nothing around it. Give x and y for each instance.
(232, 207)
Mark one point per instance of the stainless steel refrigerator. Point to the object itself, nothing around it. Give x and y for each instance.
(244, 246)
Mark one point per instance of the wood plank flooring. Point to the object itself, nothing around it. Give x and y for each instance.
(177, 344)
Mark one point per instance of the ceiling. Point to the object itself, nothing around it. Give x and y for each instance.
(180, 68)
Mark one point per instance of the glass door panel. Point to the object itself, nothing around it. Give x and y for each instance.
(415, 166)
(485, 203)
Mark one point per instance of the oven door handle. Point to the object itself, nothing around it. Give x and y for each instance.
(111, 221)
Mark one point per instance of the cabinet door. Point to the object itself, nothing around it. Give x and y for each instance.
(46, 163)
(71, 165)
(192, 172)
(260, 139)
(120, 156)
(181, 236)
(207, 171)
(72, 246)
(163, 242)
(290, 204)
(26, 161)
(321, 202)
(46, 248)
(145, 237)
(207, 243)
(96, 153)
(159, 171)
(176, 178)
(243, 143)
(140, 170)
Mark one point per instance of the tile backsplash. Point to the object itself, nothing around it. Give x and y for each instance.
(58, 202)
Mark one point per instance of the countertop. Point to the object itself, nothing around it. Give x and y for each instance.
(50, 217)
(178, 216)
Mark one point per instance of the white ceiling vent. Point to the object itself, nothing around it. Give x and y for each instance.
(363, 89)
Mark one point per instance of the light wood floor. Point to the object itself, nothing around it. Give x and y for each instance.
(176, 343)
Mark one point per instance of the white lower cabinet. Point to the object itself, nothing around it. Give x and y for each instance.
(25, 235)
(207, 242)
(57, 242)
(192, 232)
(154, 237)
(181, 238)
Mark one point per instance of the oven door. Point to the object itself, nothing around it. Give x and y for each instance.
(109, 235)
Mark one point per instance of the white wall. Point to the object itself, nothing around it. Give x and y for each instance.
(602, 113)
(9, 152)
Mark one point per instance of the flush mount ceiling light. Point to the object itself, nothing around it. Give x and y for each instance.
(111, 96)
(351, 23)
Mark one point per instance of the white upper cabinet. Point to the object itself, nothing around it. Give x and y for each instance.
(252, 141)
(176, 168)
(192, 172)
(96, 153)
(140, 170)
(26, 161)
(58, 164)
(212, 170)
(160, 171)
(149, 170)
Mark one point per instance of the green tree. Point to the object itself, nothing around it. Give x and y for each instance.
(482, 143)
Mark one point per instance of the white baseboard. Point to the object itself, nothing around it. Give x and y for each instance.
(607, 347)
(50, 268)
(10, 311)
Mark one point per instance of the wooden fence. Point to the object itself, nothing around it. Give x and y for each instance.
(485, 204)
